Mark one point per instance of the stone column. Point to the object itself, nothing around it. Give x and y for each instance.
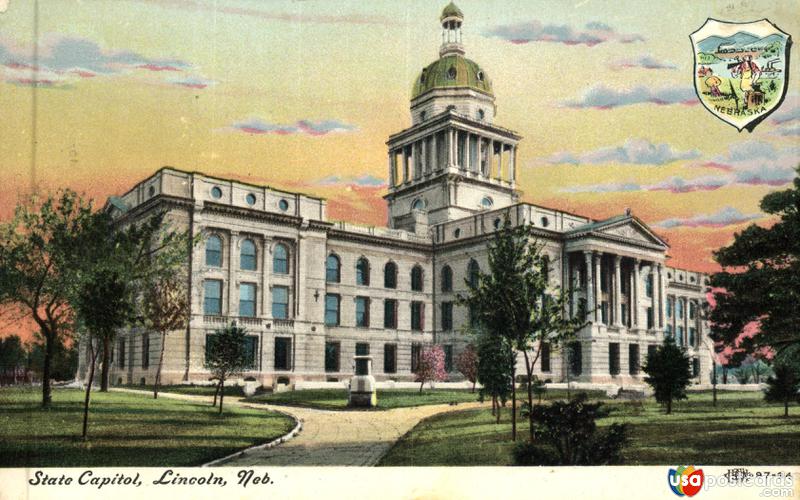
(590, 315)
(635, 295)
(266, 268)
(392, 169)
(500, 164)
(617, 290)
(467, 156)
(232, 260)
(405, 154)
(575, 280)
(513, 165)
(490, 157)
(435, 152)
(598, 288)
(661, 295)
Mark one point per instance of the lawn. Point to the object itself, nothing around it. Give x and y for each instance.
(232, 390)
(336, 399)
(125, 430)
(742, 429)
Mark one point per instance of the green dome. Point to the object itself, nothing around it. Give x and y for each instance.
(452, 71)
(452, 11)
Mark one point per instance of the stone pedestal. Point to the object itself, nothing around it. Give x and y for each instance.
(362, 391)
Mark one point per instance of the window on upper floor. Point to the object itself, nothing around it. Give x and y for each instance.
(417, 316)
(247, 300)
(362, 312)
(332, 302)
(333, 269)
(280, 259)
(214, 251)
(390, 313)
(416, 278)
(212, 297)
(280, 302)
(390, 275)
(247, 255)
(447, 279)
(362, 272)
(473, 271)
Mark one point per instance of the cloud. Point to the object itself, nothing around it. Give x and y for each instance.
(644, 61)
(63, 60)
(258, 126)
(192, 82)
(749, 163)
(632, 152)
(787, 130)
(727, 216)
(361, 180)
(602, 97)
(534, 31)
(789, 111)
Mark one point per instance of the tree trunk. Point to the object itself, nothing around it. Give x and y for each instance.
(221, 393)
(786, 408)
(514, 400)
(106, 368)
(494, 404)
(160, 364)
(49, 340)
(714, 384)
(669, 406)
(88, 396)
(497, 415)
(529, 373)
(420, 386)
(216, 392)
(473, 387)
(724, 374)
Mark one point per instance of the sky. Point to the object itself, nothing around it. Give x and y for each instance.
(302, 95)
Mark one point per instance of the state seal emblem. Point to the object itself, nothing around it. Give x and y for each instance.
(741, 70)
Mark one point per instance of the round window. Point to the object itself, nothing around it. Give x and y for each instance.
(283, 205)
(452, 73)
(497, 223)
(481, 114)
(216, 193)
(419, 204)
(250, 198)
(480, 76)
(487, 202)
(545, 222)
(457, 233)
(151, 191)
(423, 115)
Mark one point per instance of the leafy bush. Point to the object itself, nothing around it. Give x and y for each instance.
(566, 434)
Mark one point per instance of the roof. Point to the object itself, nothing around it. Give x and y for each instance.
(451, 11)
(452, 71)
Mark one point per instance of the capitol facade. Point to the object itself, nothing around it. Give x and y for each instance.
(313, 293)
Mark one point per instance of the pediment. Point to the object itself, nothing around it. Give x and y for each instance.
(628, 229)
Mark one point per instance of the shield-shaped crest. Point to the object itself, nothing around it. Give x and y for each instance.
(741, 70)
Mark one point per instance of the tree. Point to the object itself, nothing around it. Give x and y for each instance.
(669, 372)
(63, 362)
(165, 309)
(514, 300)
(226, 355)
(38, 249)
(467, 364)
(495, 369)
(431, 366)
(760, 281)
(783, 387)
(567, 434)
(13, 357)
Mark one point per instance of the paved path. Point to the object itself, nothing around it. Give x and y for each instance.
(334, 437)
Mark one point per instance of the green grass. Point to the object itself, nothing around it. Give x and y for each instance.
(742, 429)
(125, 430)
(336, 399)
(193, 390)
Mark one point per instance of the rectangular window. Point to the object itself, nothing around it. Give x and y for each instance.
(624, 313)
(692, 310)
(651, 350)
(122, 353)
(389, 358)
(613, 358)
(633, 359)
(417, 316)
(332, 309)
(212, 297)
(448, 358)
(648, 286)
(670, 306)
(473, 317)
(146, 351)
(390, 313)
(362, 349)
(679, 336)
(251, 352)
(695, 367)
(604, 312)
(247, 300)
(668, 331)
(546, 356)
(283, 353)
(280, 302)
(416, 350)
(679, 308)
(692, 336)
(362, 312)
(575, 358)
(332, 351)
(447, 316)
(650, 318)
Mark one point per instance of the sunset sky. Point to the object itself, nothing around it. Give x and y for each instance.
(302, 95)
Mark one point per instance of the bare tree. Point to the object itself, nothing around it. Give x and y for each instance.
(165, 309)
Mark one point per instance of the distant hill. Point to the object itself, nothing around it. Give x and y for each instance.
(740, 39)
(706, 58)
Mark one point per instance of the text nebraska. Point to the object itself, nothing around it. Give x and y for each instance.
(171, 478)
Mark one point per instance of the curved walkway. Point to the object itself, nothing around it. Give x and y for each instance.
(333, 437)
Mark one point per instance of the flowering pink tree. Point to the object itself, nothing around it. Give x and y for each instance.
(431, 366)
(467, 364)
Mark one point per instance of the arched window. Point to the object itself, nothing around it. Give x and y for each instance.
(447, 279)
(214, 251)
(333, 269)
(472, 273)
(247, 256)
(418, 204)
(416, 278)
(362, 272)
(390, 275)
(280, 259)
(546, 267)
